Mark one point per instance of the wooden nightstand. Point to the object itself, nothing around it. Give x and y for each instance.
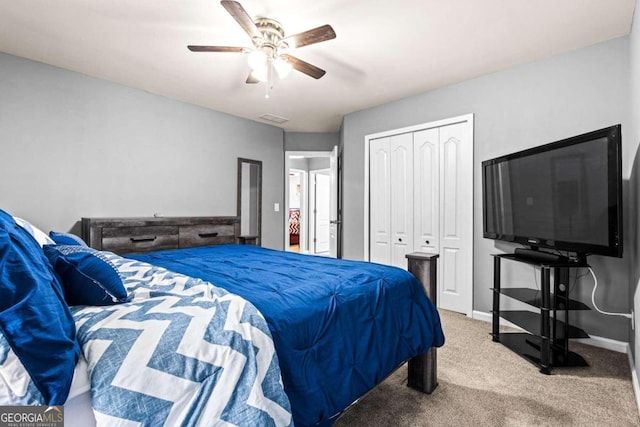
(248, 240)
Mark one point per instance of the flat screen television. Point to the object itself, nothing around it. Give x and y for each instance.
(562, 196)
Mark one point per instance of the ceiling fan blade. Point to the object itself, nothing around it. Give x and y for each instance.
(236, 10)
(315, 35)
(216, 49)
(251, 80)
(304, 67)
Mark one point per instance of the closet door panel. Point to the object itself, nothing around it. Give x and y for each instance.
(401, 198)
(379, 201)
(456, 217)
(426, 201)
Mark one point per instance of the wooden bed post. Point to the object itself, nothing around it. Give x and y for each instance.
(423, 368)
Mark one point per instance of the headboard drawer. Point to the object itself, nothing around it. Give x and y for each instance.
(128, 235)
(206, 234)
(139, 239)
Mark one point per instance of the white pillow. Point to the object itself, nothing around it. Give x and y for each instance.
(41, 237)
(16, 385)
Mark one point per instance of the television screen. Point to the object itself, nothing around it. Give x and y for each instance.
(565, 195)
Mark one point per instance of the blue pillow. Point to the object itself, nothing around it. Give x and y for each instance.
(34, 319)
(66, 239)
(88, 277)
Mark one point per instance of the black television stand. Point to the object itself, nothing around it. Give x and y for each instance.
(536, 255)
(545, 340)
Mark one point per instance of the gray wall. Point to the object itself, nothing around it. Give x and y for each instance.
(317, 163)
(634, 185)
(514, 109)
(310, 141)
(310, 163)
(75, 146)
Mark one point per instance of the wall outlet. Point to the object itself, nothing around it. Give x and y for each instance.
(276, 207)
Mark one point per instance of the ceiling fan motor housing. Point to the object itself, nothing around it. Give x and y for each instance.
(272, 36)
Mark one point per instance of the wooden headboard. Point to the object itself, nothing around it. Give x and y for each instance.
(128, 235)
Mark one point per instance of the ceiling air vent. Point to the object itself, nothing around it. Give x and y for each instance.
(273, 118)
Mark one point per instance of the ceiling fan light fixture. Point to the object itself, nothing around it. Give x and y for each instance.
(282, 66)
(257, 59)
(261, 73)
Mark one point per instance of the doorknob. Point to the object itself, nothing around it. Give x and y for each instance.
(335, 221)
(399, 239)
(426, 241)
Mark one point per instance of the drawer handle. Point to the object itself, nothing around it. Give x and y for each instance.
(205, 235)
(142, 239)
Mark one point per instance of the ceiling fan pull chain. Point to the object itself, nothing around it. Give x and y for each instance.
(269, 77)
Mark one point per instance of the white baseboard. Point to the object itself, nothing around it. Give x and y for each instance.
(600, 342)
(606, 343)
(488, 317)
(481, 315)
(634, 379)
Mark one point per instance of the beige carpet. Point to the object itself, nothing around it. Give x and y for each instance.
(483, 383)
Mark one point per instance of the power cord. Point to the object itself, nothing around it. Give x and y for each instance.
(593, 301)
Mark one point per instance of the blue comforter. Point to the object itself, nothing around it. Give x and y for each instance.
(339, 327)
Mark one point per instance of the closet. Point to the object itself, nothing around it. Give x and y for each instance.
(420, 198)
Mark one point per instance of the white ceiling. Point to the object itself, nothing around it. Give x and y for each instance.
(384, 50)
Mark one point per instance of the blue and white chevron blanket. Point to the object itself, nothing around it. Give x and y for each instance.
(182, 352)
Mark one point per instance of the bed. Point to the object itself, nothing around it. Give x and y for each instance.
(313, 306)
(338, 327)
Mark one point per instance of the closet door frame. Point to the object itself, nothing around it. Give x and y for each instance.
(420, 127)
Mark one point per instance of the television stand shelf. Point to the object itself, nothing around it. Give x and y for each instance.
(546, 340)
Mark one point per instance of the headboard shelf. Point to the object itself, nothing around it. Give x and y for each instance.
(146, 234)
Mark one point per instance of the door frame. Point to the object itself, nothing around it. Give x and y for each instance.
(313, 206)
(424, 126)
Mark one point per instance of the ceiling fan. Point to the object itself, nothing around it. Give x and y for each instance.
(270, 46)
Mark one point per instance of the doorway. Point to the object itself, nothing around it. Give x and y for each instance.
(310, 203)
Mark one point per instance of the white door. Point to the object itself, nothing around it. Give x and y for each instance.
(401, 153)
(438, 218)
(333, 203)
(426, 200)
(455, 276)
(322, 194)
(379, 201)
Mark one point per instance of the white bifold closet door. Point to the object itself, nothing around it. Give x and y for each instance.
(420, 199)
(455, 274)
(401, 147)
(380, 201)
(426, 203)
(391, 172)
